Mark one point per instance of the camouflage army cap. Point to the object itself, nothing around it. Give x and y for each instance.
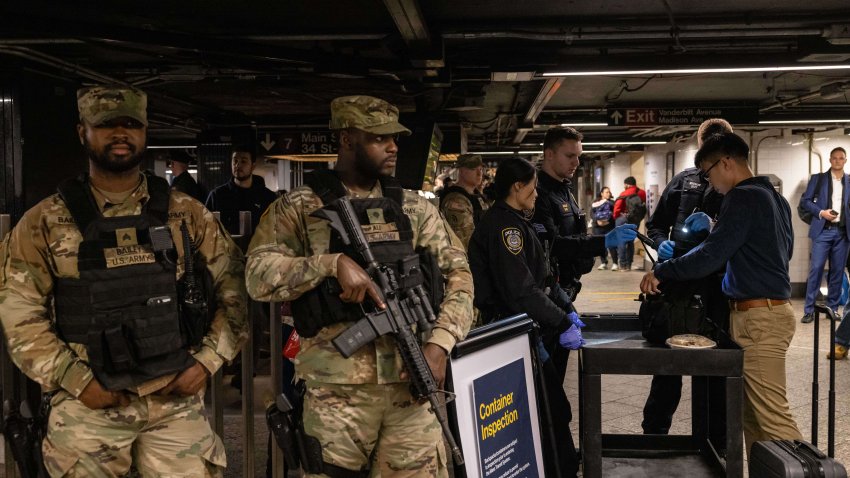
(470, 161)
(103, 103)
(366, 113)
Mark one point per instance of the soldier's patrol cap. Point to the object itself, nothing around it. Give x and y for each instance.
(366, 113)
(98, 104)
(470, 161)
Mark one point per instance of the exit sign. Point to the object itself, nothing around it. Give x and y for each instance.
(680, 115)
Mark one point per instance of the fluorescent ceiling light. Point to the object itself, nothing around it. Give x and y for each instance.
(506, 152)
(696, 71)
(605, 143)
(583, 124)
(805, 121)
(172, 147)
(591, 151)
(191, 171)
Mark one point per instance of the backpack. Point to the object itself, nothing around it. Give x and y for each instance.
(678, 310)
(804, 213)
(635, 208)
(603, 212)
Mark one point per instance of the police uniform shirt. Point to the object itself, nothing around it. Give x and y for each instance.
(686, 193)
(509, 269)
(558, 219)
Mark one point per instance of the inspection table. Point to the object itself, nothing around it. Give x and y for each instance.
(614, 347)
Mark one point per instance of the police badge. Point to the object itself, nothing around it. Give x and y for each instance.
(512, 239)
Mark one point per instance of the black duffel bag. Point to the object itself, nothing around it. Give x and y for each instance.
(679, 309)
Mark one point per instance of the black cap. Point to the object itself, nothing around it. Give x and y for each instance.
(180, 156)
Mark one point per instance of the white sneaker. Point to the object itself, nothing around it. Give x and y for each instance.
(602, 267)
(615, 268)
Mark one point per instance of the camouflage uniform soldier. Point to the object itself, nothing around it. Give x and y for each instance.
(119, 405)
(361, 404)
(461, 204)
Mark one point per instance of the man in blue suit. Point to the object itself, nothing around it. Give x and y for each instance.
(829, 230)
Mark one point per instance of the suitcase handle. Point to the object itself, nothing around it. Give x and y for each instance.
(814, 450)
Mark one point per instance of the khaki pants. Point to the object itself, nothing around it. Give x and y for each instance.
(163, 437)
(765, 333)
(351, 421)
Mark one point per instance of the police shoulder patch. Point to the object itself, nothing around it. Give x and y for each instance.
(512, 238)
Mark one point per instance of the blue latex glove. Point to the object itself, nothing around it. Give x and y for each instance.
(621, 235)
(571, 339)
(698, 222)
(575, 320)
(665, 250)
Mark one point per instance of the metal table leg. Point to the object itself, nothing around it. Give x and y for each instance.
(734, 438)
(592, 418)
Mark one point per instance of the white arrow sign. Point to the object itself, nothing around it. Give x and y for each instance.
(616, 116)
(268, 143)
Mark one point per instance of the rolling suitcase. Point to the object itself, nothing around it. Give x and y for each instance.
(797, 458)
(792, 459)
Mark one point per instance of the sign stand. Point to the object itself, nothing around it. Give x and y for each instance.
(497, 382)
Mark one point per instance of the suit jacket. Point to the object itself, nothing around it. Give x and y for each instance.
(816, 201)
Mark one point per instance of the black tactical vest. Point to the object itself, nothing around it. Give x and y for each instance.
(696, 196)
(477, 210)
(390, 236)
(123, 307)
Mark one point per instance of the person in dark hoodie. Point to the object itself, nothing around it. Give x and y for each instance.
(244, 192)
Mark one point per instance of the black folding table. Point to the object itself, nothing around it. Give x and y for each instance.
(615, 347)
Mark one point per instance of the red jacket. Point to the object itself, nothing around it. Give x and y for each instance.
(620, 203)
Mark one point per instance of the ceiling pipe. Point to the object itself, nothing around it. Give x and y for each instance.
(815, 95)
(40, 41)
(34, 55)
(38, 57)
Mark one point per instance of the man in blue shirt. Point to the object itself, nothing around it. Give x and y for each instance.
(826, 199)
(754, 239)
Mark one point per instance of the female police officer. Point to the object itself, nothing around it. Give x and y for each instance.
(510, 271)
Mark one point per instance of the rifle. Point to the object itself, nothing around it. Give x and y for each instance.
(194, 315)
(397, 319)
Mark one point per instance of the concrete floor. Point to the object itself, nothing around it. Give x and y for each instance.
(624, 396)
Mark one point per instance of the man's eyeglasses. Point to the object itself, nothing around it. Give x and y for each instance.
(704, 174)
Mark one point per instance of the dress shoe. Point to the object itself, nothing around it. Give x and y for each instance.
(808, 318)
(840, 352)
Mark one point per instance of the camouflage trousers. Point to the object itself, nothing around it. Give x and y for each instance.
(382, 423)
(157, 436)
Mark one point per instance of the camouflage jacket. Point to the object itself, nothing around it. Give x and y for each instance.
(289, 256)
(460, 215)
(43, 246)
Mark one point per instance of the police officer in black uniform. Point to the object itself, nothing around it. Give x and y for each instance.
(561, 224)
(511, 275)
(687, 193)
